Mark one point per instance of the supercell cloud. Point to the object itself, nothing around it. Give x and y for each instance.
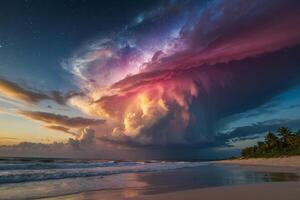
(173, 74)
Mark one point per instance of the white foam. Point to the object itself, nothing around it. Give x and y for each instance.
(61, 171)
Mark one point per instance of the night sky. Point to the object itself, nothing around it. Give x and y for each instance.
(146, 79)
(36, 36)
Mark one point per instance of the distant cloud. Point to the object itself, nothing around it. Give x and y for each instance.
(244, 132)
(86, 140)
(14, 91)
(61, 128)
(60, 120)
(60, 98)
(8, 138)
(74, 147)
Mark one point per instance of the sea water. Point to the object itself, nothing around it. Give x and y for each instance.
(25, 178)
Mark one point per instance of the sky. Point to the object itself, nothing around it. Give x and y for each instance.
(146, 79)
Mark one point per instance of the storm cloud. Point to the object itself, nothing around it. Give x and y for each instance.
(175, 76)
(209, 62)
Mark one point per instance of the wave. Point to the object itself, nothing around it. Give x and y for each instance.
(42, 165)
(85, 170)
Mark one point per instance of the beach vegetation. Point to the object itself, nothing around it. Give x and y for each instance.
(284, 142)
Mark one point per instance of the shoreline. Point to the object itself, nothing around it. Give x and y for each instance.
(264, 191)
(261, 191)
(291, 162)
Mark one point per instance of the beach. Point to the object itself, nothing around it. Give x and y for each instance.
(71, 179)
(290, 162)
(274, 190)
(266, 191)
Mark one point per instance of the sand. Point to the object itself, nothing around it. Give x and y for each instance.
(267, 191)
(263, 191)
(290, 162)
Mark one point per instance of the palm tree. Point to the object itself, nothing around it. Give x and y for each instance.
(271, 141)
(288, 143)
(297, 139)
(298, 133)
(288, 138)
(284, 132)
(261, 147)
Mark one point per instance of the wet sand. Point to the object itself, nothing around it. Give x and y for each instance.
(260, 191)
(265, 191)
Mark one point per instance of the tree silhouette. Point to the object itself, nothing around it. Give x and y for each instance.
(271, 140)
(285, 133)
(288, 143)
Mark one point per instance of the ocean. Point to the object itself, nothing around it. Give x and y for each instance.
(37, 178)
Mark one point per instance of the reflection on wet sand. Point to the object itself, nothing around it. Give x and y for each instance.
(186, 179)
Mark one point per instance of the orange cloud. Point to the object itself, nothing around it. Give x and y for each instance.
(63, 120)
(61, 128)
(14, 91)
